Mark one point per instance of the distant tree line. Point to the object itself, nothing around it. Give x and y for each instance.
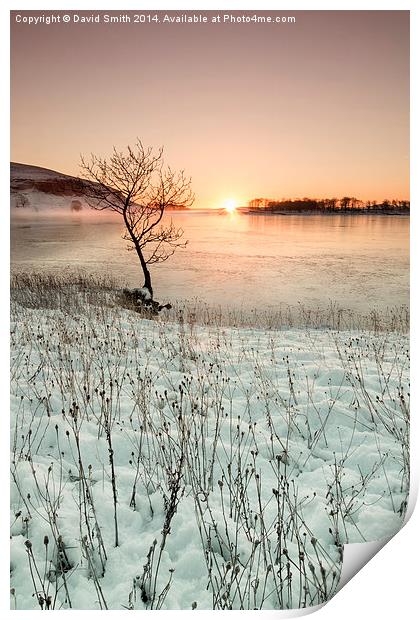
(347, 204)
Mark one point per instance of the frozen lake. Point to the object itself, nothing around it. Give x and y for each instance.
(236, 259)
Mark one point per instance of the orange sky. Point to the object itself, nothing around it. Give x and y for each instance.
(318, 108)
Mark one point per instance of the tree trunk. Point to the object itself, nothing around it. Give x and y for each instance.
(146, 272)
(147, 277)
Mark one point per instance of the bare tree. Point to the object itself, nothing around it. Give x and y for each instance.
(136, 185)
(21, 201)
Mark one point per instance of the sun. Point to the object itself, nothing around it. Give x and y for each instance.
(230, 205)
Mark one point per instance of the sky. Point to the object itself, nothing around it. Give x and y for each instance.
(319, 107)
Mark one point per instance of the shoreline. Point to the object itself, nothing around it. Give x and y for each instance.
(64, 291)
(246, 211)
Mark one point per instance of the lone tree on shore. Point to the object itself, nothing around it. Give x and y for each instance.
(137, 185)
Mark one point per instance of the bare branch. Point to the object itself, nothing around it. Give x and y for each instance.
(136, 185)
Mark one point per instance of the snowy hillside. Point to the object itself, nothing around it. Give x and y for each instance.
(39, 189)
(35, 189)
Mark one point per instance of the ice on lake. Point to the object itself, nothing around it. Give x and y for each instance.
(236, 259)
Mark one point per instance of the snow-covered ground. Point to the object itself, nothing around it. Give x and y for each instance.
(35, 189)
(169, 465)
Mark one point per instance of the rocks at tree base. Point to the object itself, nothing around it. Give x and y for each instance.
(139, 298)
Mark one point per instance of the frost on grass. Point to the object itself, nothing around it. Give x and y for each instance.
(164, 465)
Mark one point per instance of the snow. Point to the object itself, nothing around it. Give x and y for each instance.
(145, 293)
(43, 203)
(35, 173)
(254, 455)
(35, 189)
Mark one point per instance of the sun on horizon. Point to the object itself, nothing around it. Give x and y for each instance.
(230, 205)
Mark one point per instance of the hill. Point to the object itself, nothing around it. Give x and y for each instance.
(33, 188)
(38, 189)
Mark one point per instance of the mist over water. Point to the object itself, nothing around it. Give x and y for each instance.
(239, 260)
